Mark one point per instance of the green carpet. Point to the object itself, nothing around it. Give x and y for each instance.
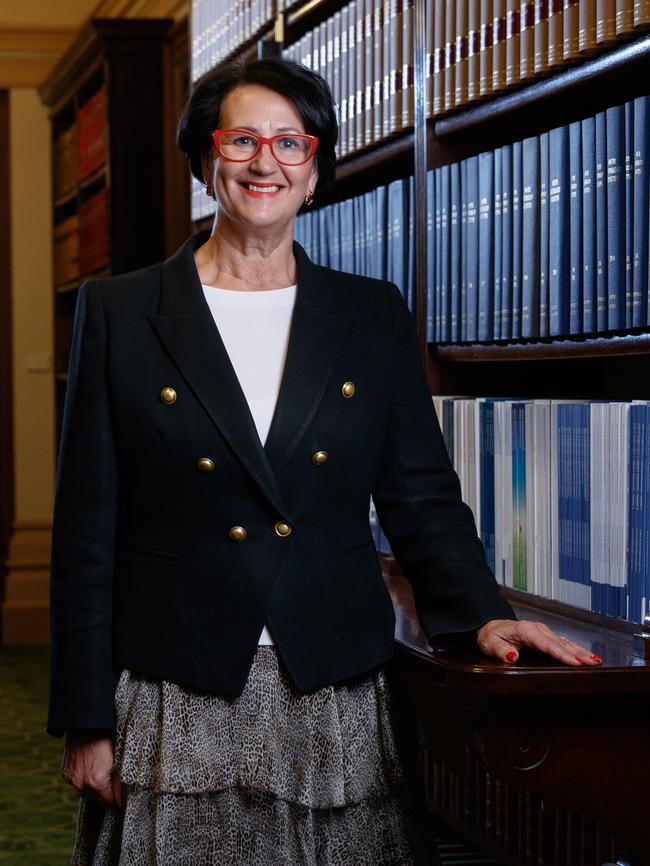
(37, 808)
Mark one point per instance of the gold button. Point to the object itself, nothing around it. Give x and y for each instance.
(237, 533)
(283, 529)
(348, 389)
(168, 396)
(205, 464)
(319, 457)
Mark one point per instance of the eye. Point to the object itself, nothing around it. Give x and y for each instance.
(244, 140)
(289, 143)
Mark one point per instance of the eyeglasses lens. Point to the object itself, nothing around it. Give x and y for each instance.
(287, 149)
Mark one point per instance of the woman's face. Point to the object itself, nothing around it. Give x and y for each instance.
(261, 110)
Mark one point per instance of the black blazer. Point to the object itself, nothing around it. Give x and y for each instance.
(145, 572)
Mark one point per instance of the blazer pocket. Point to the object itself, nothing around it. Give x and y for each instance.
(147, 552)
(356, 546)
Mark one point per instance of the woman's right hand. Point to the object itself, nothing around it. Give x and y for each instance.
(87, 765)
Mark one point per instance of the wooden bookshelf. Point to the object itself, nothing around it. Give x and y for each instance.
(121, 202)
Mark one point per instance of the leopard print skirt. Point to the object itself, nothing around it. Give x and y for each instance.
(271, 778)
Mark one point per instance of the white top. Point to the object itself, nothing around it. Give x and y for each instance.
(254, 327)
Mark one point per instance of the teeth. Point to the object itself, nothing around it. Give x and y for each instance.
(262, 188)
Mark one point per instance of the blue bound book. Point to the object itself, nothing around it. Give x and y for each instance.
(486, 245)
(601, 222)
(615, 217)
(639, 512)
(519, 545)
(575, 230)
(472, 249)
(396, 245)
(530, 239)
(347, 235)
(370, 219)
(431, 255)
(588, 138)
(445, 252)
(641, 231)
(559, 223)
(359, 236)
(463, 252)
(437, 224)
(498, 243)
(486, 457)
(334, 235)
(506, 243)
(409, 207)
(629, 210)
(543, 235)
(381, 215)
(517, 225)
(455, 255)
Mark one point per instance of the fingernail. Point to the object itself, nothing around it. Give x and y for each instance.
(580, 661)
(596, 658)
(511, 656)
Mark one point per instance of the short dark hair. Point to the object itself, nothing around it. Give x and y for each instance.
(307, 89)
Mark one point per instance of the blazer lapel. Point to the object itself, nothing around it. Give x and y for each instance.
(317, 326)
(186, 327)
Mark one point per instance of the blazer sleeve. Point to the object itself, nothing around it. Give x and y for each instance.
(418, 500)
(83, 537)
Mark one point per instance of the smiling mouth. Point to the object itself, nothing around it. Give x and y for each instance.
(261, 188)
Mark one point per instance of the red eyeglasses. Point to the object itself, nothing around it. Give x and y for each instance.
(240, 145)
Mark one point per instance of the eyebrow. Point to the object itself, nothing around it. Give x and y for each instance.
(280, 129)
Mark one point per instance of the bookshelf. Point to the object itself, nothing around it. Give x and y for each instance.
(106, 103)
(571, 67)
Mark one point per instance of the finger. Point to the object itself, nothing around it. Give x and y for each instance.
(571, 653)
(500, 648)
(100, 790)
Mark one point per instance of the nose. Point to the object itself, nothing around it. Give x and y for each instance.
(264, 161)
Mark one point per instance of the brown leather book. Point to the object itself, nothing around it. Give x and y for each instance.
(605, 22)
(570, 30)
(439, 9)
(408, 82)
(624, 17)
(541, 36)
(461, 76)
(526, 39)
(555, 34)
(486, 48)
(473, 51)
(587, 26)
(450, 54)
(641, 13)
(498, 45)
(513, 40)
(377, 68)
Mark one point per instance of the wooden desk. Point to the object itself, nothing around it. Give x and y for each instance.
(536, 762)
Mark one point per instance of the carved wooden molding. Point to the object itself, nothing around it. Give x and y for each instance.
(28, 54)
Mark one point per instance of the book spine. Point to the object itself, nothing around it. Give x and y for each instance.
(517, 213)
(499, 45)
(368, 72)
(445, 237)
(530, 238)
(629, 211)
(588, 139)
(519, 570)
(506, 243)
(438, 254)
(624, 17)
(486, 48)
(461, 51)
(486, 421)
(408, 88)
(455, 254)
(601, 222)
(439, 30)
(555, 33)
(429, 36)
(559, 217)
(513, 42)
(472, 249)
(498, 242)
(344, 63)
(431, 256)
(570, 30)
(462, 303)
(352, 76)
(377, 71)
(641, 13)
(615, 157)
(544, 234)
(526, 40)
(575, 229)
(450, 54)
(587, 26)
(641, 229)
(486, 246)
(541, 36)
(473, 52)
(605, 22)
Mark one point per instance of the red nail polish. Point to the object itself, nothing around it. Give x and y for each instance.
(511, 656)
(580, 661)
(596, 658)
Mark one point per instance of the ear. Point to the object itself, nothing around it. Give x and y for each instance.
(313, 176)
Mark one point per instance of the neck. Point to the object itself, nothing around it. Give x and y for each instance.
(247, 262)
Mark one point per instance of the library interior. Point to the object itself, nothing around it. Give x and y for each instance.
(492, 164)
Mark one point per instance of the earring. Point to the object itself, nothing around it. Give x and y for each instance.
(209, 190)
(309, 198)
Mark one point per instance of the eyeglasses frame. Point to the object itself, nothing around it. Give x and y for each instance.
(216, 134)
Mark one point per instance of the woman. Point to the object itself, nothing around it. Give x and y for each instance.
(221, 631)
